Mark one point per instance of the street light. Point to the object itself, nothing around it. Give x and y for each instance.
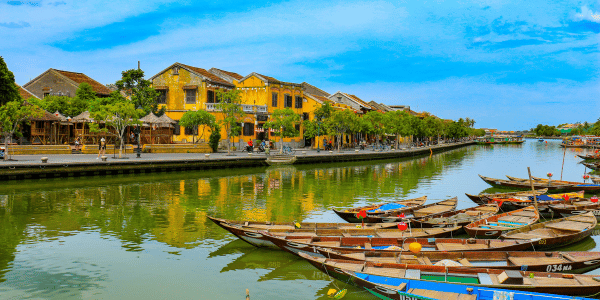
(137, 131)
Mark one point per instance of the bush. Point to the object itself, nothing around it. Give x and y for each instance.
(214, 139)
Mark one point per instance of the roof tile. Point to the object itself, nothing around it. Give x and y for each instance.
(80, 78)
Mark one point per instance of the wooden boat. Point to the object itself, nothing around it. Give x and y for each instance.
(324, 246)
(259, 238)
(456, 218)
(527, 185)
(290, 226)
(543, 202)
(593, 156)
(559, 262)
(588, 187)
(277, 159)
(494, 226)
(545, 180)
(395, 273)
(595, 179)
(555, 233)
(378, 209)
(579, 207)
(415, 212)
(592, 165)
(401, 282)
(483, 198)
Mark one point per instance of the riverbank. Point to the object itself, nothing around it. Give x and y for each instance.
(32, 167)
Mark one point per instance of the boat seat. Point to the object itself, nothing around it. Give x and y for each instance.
(465, 262)
(368, 246)
(427, 261)
(413, 273)
(485, 279)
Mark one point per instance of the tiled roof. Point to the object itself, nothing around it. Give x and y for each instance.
(212, 77)
(25, 94)
(80, 78)
(360, 101)
(232, 74)
(269, 78)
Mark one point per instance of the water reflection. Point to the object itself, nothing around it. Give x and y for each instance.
(161, 218)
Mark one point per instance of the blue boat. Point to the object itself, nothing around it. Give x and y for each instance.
(406, 281)
(403, 288)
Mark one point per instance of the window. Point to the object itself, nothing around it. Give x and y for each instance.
(176, 71)
(162, 97)
(191, 130)
(210, 96)
(274, 99)
(190, 96)
(46, 95)
(304, 116)
(288, 101)
(248, 129)
(298, 102)
(176, 129)
(297, 126)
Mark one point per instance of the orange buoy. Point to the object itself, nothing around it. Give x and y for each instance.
(414, 247)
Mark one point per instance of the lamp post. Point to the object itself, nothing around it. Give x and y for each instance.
(318, 136)
(138, 150)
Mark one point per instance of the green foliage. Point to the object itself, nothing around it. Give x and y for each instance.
(8, 89)
(139, 90)
(68, 106)
(545, 130)
(193, 119)
(12, 114)
(117, 112)
(373, 123)
(283, 122)
(312, 129)
(341, 122)
(215, 137)
(230, 106)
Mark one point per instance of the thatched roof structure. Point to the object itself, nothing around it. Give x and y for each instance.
(165, 121)
(83, 117)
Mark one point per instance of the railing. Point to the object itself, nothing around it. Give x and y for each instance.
(245, 108)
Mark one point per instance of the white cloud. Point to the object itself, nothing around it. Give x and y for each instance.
(588, 15)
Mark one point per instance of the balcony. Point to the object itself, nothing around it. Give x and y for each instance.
(247, 108)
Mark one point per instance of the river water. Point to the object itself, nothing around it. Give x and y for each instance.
(147, 236)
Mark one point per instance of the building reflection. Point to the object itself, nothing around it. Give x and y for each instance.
(171, 208)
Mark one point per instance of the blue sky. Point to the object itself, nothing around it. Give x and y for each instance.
(507, 64)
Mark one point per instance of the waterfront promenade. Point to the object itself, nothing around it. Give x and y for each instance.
(67, 165)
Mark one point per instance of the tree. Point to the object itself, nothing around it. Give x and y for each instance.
(341, 122)
(8, 89)
(117, 112)
(215, 137)
(12, 114)
(230, 106)
(283, 122)
(398, 123)
(373, 123)
(68, 106)
(193, 119)
(139, 91)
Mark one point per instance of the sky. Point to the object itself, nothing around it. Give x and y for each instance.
(508, 65)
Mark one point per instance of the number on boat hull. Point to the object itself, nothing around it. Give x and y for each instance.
(558, 268)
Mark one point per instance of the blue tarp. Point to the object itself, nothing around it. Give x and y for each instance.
(388, 206)
(543, 198)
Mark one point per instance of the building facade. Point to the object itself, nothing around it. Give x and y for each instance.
(63, 83)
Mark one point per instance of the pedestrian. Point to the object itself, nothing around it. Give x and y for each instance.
(77, 142)
(101, 148)
(132, 138)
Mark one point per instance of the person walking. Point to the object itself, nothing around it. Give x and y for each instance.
(77, 143)
(101, 148)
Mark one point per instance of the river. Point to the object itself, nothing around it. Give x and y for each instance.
(146, 236)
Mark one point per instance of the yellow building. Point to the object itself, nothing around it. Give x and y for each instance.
(264, 91)
(185, 88)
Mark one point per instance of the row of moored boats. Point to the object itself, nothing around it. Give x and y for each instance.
(409, 249)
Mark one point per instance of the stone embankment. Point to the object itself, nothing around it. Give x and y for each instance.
(33, 166)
